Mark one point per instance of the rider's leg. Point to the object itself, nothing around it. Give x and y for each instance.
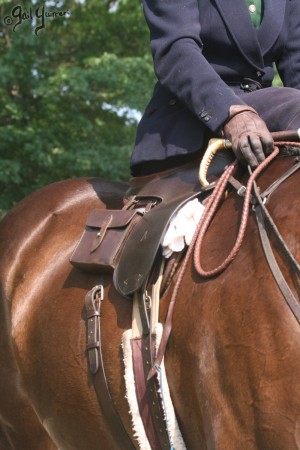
(279, 107)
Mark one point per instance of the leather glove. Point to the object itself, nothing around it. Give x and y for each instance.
(248, 134)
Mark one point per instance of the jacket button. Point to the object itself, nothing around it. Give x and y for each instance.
(172, 101)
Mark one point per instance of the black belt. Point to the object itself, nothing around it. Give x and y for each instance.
(249, 85)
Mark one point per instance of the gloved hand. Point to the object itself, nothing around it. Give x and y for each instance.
(248, 134)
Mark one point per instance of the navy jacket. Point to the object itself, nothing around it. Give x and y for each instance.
(202, 50)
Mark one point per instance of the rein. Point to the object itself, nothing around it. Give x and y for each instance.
(245, 214)
(261, 213)
(260, 202)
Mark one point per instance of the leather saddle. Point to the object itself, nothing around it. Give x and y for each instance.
(170, 191)
(127, 241)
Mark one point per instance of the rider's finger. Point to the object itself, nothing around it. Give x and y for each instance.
(257, 147)
(268, 144)
(246, 151)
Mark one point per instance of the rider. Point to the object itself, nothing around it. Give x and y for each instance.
(214, 64)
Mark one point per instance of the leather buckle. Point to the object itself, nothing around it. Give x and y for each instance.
(93, 302)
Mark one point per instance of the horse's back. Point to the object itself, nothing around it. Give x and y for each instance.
(36, 240)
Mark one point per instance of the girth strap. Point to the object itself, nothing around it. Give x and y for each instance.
(93, 302)
(147, 394)
(148, 391)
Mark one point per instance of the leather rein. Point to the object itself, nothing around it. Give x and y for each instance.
(263, 216)
(257, 200)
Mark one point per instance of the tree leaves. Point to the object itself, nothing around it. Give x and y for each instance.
(64, 93)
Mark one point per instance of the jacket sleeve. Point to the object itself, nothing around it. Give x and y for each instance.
(288, 64)
(179, 62)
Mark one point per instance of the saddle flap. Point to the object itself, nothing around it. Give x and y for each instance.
(141, 247)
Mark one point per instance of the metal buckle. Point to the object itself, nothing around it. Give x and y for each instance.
(249, 85)
(241, 191)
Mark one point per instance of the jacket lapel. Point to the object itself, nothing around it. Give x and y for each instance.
(272, 22)
(237, 19)
(253, 44)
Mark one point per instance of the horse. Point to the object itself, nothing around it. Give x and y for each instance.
(233, 356)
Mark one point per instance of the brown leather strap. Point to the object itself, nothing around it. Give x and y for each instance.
(280, 180)
(141, 295)
(153, 389)
(149, 401)
(101, 233)
(286, 135)
(260, 198)
(278, 276)
(93, 302)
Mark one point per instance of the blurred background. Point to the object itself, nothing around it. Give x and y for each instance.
(71, 92)
(74, 79)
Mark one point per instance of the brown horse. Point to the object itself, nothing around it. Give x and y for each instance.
(233, 358)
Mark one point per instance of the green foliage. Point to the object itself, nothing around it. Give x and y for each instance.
(66, 91)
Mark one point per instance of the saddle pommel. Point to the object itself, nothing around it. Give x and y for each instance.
(214, 145)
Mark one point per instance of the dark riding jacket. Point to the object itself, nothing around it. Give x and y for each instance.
(203, 53)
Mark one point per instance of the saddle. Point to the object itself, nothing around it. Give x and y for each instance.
(127, 241)
(170, 192)
(112, 238)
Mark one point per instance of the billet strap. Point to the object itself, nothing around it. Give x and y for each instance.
(149, 398)
(93, 302)
(155, 297)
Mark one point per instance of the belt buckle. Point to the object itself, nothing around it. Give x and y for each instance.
(249, 85)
